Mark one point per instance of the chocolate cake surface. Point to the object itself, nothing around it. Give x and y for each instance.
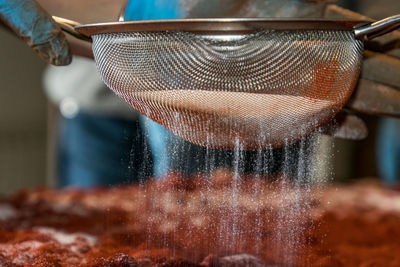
(222, 220)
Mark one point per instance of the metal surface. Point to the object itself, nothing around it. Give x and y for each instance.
(260, 90)
(382, 44)
(378, 28)
(223, 83)
(70, 26)
(213, 26)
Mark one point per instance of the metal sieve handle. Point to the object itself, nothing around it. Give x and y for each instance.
(378, 28)
(68, 26)
(81, 45)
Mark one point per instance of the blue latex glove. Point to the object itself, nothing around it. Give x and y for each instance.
(33, 25)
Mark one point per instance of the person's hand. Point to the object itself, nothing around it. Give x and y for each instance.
(378, 90)
(33, 25)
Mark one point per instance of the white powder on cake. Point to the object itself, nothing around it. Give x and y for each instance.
(67, 238)
(7, 212)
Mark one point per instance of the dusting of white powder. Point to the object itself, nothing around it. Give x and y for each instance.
(7, 212)
(67, 238)
(71, 209)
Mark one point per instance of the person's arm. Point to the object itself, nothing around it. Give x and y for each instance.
(30, 22)
(378, 89)
(88, 11)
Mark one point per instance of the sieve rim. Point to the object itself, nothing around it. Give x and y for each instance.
(218, 25)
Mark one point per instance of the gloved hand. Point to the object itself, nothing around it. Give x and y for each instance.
(378, 93)
(33, 25)
(378, 90)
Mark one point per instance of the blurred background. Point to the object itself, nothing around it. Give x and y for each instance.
(27, 120)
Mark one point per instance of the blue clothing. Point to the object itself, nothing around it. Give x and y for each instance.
(158, 137)
(152, 9)
(98, 150)
(388, 151)
(95, 150)
(32, 24)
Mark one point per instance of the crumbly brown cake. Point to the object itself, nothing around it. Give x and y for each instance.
(220, 220)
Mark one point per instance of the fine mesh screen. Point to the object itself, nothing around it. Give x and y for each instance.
(258, 90)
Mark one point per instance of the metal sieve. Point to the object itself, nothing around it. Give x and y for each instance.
(220, 83)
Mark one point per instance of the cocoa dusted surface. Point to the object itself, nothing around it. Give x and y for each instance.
(188, 222)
